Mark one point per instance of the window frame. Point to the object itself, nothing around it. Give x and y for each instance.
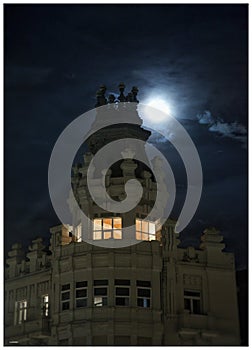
(99, 284)
(103, 230)
(85, 287)
(21, 312)
(67, 300)
(141, 234)
(144, 285)
(125, 284)
(78, 233)
(191, 299)
(45, 305)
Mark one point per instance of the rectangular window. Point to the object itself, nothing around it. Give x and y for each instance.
(100, 292)
(122, 292)
(81, 294)
(144, 294)
(145, 230)
(107, 228)
(78, 233)
(192, 301)
(20, 311)
(45, 305)
(65, 297)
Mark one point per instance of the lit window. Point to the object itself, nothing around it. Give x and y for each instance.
(65, 297)
(20, 311)
(100, 292)
(78, 233)
(145, 230)
(45, 305)
(81, 294)
(122, 292)
(192, 301)
(143, 294)
(107, 228)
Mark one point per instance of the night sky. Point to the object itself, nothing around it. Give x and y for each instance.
(194, 56)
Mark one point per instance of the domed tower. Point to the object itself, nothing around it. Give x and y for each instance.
(117, 289)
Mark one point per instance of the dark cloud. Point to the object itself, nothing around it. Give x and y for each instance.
(233, 130)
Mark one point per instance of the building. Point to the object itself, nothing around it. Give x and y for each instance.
(150, 293)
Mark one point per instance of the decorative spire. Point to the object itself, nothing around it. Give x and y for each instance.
(111, 98)
(121, 97)
(134, 92)
(102, 100)
(100, 95)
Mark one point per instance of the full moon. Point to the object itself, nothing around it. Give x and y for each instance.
(160, 111)
(160, 104)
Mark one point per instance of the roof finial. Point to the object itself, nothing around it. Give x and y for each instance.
(121, 97)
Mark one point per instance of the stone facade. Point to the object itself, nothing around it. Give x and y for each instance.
(150, 293)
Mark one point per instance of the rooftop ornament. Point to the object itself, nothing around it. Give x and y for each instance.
(102, 100)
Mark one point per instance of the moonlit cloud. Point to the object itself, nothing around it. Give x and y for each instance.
(232, 130)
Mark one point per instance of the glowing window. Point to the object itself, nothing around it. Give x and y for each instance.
(45, 305)
(145, 230)
(78, 233)
(107, 228)
(20, 311)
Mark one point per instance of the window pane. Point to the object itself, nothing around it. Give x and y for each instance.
(145, 226)
(81, 293)
(81, 284)
(97, 235)
(107, 224)
(145, 236)
(122, 291)
(65, 296)
(65, 287)
(81, 303)
(187, 304)
(122, 301)
(107, 234)
(138, 235)
(143, 283)
(138, 225)
(196, 306)
(122, 282)
(45, 298)
(152, 228)
(100, 291)
(65, 305)
(117, 234)
(192, 293)
(117, 223)
(143, 292)
(140, 302)
(97, 224)
(100, 282)
(152, 237)
(98, 301)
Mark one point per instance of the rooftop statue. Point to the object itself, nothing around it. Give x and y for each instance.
(102, 100)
